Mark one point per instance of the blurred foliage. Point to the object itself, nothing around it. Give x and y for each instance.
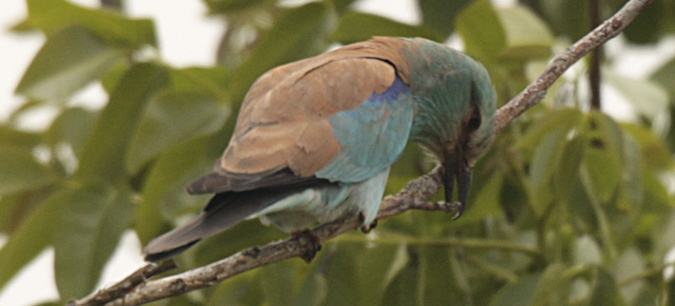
(569, 207)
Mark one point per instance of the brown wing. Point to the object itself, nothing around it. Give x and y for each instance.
(283, 135)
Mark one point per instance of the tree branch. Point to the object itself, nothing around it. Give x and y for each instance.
(536, 91)
(414, 196)
(123, 287)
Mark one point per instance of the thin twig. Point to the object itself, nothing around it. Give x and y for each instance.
(123, 287)
(414, 196)
(536, 91)
(651, 272)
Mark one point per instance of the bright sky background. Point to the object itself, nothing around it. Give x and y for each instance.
(187, 38)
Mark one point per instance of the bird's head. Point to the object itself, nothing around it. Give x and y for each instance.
(455, 106)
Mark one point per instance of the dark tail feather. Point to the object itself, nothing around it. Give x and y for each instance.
(223, 211)
(167, 254)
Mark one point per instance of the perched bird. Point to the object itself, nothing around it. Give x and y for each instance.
(315, 138)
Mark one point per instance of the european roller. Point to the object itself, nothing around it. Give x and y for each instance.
(314, 139)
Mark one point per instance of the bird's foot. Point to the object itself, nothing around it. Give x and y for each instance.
(253, 252)
(369, 227)
(366, 228)
(456, 207)
(314, 244)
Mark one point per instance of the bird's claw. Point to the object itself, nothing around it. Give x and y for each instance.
(449, 207)
(253, 252)
(369, 227)
(314, 244)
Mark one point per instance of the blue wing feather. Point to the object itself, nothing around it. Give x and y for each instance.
(371, 136)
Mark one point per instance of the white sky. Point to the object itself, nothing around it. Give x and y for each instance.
(186, 38)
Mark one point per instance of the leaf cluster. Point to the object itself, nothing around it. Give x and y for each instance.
(569, 207)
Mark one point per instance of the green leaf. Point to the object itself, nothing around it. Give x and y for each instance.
(484, 196)
(377, 266)
(566, 17)
(9, 136)
(113, 77)
(545, 163)
(299, 33)
(435, 282)
(52, 303)
(239, 40)
(630, 263)
(632, 182)
(110, 26)
(665, 76)
(649, 295)
(419, 275)
(22, 27)
(604, 229)
(646, 97)
(603, 157)
(342, 5)
(213, 81)
(654, 152)
(580, 205)
(356, 26)
(565, 118)
(11, 213)
(32, 236)
(342, 274)
(518, 293)
(472, 24)
(173, 169)
(527, 36)
(515, 198)
(183, 300)
(105, 151)
(277, 283)
(89, 229)
(552, 288)
(69, 60)
(72, 126)
(440, 15)
(605, 291)
(233, 6)
(243, 289)
(403, 289)
(670, 291)
(314, 290)
(568, 170)
(244, 235)
(397, 264)
(19, 171)
(407, 167)
(171, 119)
(655, 21)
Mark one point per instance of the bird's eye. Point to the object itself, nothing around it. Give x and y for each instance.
(474, 121)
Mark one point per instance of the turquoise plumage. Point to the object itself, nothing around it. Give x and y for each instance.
(314, 139)
(377, 126)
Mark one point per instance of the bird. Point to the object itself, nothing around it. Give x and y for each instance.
(314, 139)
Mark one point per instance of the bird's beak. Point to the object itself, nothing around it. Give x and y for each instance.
(460, 169)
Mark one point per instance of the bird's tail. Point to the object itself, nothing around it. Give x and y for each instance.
(223, 211)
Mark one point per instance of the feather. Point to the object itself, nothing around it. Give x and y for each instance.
(223, 211)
